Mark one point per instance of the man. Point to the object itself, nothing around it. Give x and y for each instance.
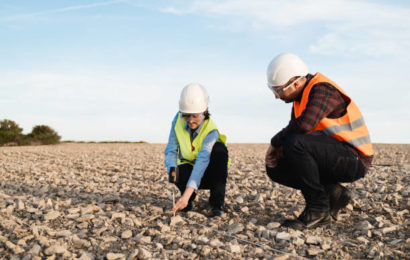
(326, 141)
(196, 156)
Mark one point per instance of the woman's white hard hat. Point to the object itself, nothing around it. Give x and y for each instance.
(284, 67)
(194, 99)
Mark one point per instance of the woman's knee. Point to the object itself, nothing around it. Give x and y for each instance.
(219, 151)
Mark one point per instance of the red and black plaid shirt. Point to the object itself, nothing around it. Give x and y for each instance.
(324, 101)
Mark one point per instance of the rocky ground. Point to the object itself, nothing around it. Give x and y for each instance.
(112, 201)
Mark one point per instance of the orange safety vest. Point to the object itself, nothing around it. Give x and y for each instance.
(349, 128)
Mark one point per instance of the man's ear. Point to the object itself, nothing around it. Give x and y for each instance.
(301, 82)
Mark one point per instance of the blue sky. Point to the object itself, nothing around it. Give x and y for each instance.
(113, 70)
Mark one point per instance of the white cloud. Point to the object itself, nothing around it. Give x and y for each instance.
(344, 27)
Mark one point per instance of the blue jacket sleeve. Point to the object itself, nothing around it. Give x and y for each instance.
(171, 151)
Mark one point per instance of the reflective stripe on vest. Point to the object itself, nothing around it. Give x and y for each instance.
(188, 151)
(349, 128)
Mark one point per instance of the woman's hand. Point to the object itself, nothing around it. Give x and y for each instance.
(181, 204)
(183, 201)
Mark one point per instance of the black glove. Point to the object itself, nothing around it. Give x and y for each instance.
(173, 175)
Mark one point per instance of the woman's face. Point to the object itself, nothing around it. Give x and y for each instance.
(193, 120)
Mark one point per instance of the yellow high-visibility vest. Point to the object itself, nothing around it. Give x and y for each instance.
(189, 150)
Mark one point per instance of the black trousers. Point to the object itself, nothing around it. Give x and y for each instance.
(213, 179)
(311, 163)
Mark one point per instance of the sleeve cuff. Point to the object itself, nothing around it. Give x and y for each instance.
(192, 184)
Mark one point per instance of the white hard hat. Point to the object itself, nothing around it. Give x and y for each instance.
(284, 67)
(194, 99)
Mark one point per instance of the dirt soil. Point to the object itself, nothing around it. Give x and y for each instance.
(113, 201)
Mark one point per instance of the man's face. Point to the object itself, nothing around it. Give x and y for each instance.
(193, 120)
(289, 91)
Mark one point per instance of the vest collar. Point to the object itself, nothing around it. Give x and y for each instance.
(308, 78)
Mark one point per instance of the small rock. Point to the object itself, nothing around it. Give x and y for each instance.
(142, 239)
(202, 239)
(297, 241)
(86, 256)
(20, 205)
(313, 240)
(314, 251)
(15, 248)
(143, 253)
(236, 228)
(154, 210)
(283, 236)
(215, 243)
(245, 209)
(176, 220)
(196, 215)
(239, 199)
(126, 234)
(51, 215)
(234, 248)
(165, 229)
(389, 229)
(115, 256)
(133, 255)
(205, 251)
(35, 250)
(55, 249)
(282, 257)
(364, 225)
(117, 215)
(63, 233)
(363, 240)
(273, 225)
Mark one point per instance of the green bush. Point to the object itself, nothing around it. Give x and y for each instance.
(11, 134)
(45, 134)
(10, 126)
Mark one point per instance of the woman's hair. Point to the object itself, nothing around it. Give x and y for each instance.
(207, 114)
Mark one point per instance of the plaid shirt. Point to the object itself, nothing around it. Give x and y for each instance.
(324, 101)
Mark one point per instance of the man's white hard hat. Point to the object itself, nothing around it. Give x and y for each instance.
(284, 67)
(194, 99)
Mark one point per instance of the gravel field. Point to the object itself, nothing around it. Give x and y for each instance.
(113, 201)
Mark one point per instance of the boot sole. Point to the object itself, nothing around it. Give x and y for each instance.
(321, 222)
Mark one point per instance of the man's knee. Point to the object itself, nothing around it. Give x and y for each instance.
(274, 174)
(293, 143)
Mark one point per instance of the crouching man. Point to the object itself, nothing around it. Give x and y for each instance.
(326, 141)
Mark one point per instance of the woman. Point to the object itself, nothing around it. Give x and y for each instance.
(197, 152)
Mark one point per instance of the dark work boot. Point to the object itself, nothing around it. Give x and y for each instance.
(216, 212)
(339, 197)
(187, 208)
(309, 218)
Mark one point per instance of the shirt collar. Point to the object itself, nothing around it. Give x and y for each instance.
(197, 130)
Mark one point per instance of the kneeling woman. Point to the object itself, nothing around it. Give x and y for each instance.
(197, 151)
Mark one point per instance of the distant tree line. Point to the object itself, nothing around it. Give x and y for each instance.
(11, 134)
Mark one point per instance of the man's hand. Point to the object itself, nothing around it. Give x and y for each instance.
(183, 201)
(273, 155)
